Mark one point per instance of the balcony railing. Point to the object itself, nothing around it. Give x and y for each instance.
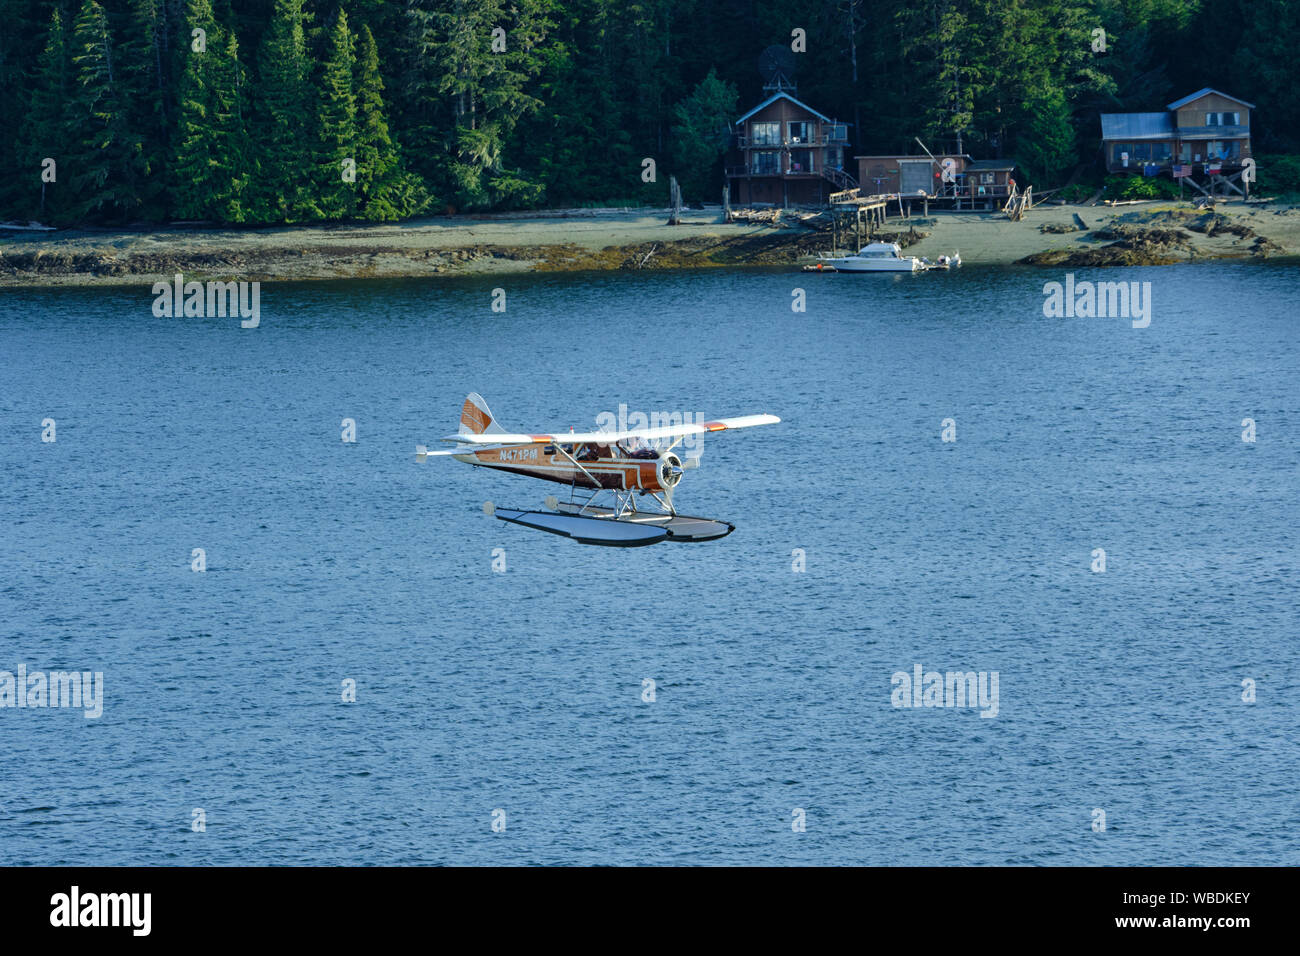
(770, 171)
(837, 176)
(1212, 132)
(824, 139)
(1135, 166)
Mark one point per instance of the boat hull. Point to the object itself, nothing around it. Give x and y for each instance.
(852, 264)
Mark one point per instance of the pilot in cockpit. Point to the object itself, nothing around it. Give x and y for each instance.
(637, 448)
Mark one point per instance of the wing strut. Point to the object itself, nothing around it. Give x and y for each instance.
(577, 464)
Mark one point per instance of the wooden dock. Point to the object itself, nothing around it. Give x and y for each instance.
(860, 216)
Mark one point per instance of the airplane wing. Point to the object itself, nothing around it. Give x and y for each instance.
(605, 438)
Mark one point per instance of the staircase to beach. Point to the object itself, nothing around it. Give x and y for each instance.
(839, 178)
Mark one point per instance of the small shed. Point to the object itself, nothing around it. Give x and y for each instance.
(987, 183)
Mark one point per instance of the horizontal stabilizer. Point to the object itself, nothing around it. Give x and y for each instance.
(421, 452)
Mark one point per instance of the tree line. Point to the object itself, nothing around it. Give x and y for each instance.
(281, 111)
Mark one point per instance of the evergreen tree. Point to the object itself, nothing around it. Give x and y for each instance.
(1047, 150)
(230, 162)
(22, 42)
(937, 40)
(209, 171)
(196, 133)
(1264, 65)
(336, 125)
(46, 132)
(107, 163)
(144, 94)
(385, 191)
(701, 135)
(284, 156)
(484, 90)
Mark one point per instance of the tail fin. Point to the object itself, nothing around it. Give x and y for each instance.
(475, 419)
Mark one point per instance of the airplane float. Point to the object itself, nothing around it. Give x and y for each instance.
(617, 467)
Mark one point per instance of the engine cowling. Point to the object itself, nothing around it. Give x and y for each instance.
(669, 470)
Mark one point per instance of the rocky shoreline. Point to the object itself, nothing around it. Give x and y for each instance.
(604, 241)
(1160, 238)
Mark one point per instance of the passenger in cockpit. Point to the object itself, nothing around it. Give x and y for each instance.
(637, 448)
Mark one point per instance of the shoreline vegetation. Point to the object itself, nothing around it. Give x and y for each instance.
(257, 113)
(1154, 233)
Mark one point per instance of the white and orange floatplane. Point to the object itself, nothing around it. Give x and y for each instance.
(607, 473)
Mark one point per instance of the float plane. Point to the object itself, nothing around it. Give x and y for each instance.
(607, 472)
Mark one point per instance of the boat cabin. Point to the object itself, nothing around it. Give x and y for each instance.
(881, 250)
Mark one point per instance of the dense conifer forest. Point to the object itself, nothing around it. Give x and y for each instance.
(281, 111)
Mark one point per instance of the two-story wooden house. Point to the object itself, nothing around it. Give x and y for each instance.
(1206, 129)
(787, 153)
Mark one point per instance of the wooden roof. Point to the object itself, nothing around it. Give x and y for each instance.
(783, 95)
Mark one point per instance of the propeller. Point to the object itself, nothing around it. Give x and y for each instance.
(670, 472)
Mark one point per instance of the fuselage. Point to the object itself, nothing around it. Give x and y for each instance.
(603, 466)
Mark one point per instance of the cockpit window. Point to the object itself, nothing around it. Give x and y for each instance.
(637, 448)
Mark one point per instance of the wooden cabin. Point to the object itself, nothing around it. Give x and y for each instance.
(975, 184)
(787, 153)
(1207, 128)
(913, 175)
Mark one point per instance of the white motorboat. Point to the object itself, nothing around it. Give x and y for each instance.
(877, 257)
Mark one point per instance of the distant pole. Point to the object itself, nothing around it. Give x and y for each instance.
(726, 203)
(675, 197)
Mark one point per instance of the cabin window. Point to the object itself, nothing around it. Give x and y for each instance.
(1222, 119)
(1219, 149)
(801, 161)
(765, 163)
(837, 132)
(835, 157)
(1162, 152)
(800, 131)
(766, 134)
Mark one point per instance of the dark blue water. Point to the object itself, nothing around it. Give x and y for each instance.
(522, 691)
